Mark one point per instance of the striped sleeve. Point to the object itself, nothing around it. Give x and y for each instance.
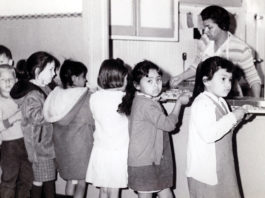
(240, 54)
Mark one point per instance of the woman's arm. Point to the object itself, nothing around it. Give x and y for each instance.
(256, 89)
(174, 81)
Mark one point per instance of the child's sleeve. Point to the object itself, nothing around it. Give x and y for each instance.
(33, 109)
(2, 122)
(8, 122)
(158, 118)
(204, 119)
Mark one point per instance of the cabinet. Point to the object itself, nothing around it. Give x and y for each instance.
(144, 19)
(236, 3)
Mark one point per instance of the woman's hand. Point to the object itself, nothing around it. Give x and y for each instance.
(174, 81)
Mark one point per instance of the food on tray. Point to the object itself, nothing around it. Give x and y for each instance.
(172, 94)
(252, 109)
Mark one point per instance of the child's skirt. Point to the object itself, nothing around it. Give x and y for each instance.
(227, 180)
(199, 190)
(44, 170)
(154, 177)
(108, 168)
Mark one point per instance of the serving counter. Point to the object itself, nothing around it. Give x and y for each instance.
(250, 154)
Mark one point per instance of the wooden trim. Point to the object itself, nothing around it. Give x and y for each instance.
(122, 30)
(37, 16)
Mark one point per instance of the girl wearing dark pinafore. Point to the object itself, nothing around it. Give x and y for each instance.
(210, 160)
(150, 163)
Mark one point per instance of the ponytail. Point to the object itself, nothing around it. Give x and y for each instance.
(127, 100)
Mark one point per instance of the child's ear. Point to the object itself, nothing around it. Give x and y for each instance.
(37, 72)
(73, 79)
(11, 62)
(205, 80)
(137, 86)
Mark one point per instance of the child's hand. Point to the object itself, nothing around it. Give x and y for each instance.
(184, 98)
(240, 113)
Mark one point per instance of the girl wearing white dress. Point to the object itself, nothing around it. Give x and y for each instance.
(107, 167)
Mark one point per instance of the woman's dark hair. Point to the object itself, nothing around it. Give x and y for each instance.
(38, 60)
(112, 73)
(218, 14)
(140, 70)
(71, 68)
(207, 69)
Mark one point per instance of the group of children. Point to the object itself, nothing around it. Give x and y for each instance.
(116, 137)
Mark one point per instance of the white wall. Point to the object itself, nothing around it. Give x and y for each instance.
(168, 55)
(22, 7)
(256, 30)
(63, 37)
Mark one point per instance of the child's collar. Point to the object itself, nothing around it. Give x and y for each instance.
(214, 97)
(147, 96)
(142, 94)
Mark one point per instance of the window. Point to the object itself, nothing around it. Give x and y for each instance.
(144, 18)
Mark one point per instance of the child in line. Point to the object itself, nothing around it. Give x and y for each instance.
(17, 173)
(107, 167)
(30, 94)
(67, 107)
(210, 161)
(150, 163)
(5, 56)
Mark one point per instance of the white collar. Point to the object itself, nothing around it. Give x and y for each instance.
(214, 97)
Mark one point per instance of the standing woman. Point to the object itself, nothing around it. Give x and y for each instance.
(216, 22)
(30, 94)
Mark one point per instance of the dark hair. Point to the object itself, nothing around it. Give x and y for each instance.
(140, 70)
(218, 14)
(21, 71)
(4, 50)
(38, 60)
(208, 68)
(112, 73)
(71, 68)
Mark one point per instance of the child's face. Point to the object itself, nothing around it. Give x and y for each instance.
(151, 85)
(7, 80)
(79, 81)
(56, 77)
(46, 75)
(5, 60)
(220, 85)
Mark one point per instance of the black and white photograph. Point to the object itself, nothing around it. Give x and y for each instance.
(132, 98)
